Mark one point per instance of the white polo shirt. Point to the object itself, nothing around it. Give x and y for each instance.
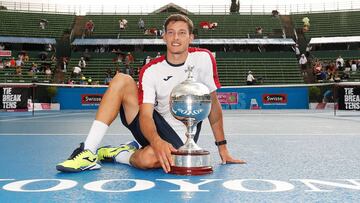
(158, 78)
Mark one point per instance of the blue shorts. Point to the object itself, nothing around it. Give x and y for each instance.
(163, 128)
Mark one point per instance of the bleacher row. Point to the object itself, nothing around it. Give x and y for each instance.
(24, 24)
(272, 69)
(229, 26)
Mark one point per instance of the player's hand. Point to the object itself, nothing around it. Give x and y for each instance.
(162, 150)
(226, 157)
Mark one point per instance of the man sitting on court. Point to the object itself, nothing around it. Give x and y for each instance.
(145, 110)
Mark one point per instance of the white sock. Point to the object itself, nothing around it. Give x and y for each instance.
(96, 134)
(124, 157)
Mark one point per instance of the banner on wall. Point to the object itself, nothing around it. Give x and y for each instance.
(14, 98)
(348, 98)
(91, 99)
(228, 97)
(265, 97)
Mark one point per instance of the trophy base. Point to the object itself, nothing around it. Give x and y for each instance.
(191, 171)
(194, 162)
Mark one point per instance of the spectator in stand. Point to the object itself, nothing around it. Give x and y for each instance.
(258, 30)
(12, 62)
(26, 57)
(303, 64)
(296, 49)
(331, 71)
(353, 66)
(89, 28)
(146, 60)
(20, 62)
(76, 72)
(275, 13)
(250, 79)
(48, 72)
(306, 26)
(82, 63)
(129, 59)
(108, 76)
(43, 23)
(18, 70)
(318, 71)
(158, 55)
(340, 63)
(307, 50)
(141, 24)
(64, 64)
(1, 65)
(34, 69)
(2, 46)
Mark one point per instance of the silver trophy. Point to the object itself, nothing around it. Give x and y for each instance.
(190, 102)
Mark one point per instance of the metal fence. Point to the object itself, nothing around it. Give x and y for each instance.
(245, 9)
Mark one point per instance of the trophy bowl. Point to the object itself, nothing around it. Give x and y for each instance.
(190, 102)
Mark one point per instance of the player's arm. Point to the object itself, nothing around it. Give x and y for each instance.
(216, 122)
(162, 149)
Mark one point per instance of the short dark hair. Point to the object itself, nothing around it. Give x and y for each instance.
(179, 17)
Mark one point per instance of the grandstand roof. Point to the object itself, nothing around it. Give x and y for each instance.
(171, 7)
(27, 40)
(333, 40)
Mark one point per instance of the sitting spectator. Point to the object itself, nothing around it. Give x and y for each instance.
(303, 64)
(250, 79)
(296, 49)
(18, 70)
(76, 72)
(141, 24)
(26, 57)
(34, 68)
(158, 55)
(259, 30)
(123, 24)
(2, 46)
(12, 62)
(82, 63)
(89, 28)
(43, 23)
(20, 63)
(1, 65)
(340, 63)
(146, 60)
(151, 31)
(108, 76)
(129, 59)
(353, 66)
(306, 25)
(208, 25)
(48, 72)
(275, 13)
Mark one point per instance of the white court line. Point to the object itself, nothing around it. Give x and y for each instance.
(205, 135)
(46, 116)
(53, 134)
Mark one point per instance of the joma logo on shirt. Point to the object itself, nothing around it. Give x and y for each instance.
(168, 77)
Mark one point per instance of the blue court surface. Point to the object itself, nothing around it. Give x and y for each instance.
(293, 156)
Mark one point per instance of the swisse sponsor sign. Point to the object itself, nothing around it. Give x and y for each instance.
(91, 99)
(274, 99)
(183, 185)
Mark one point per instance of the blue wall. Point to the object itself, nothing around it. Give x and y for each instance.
(247, 97)
(294, 97)
(71, 98)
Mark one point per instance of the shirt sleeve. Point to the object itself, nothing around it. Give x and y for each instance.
(147, 92)
(209, 76)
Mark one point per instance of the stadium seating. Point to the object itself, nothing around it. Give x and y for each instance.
(229, 26)
(25, 24)
(333, 24)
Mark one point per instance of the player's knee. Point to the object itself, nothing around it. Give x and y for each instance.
(146, 159)
(121, 80)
